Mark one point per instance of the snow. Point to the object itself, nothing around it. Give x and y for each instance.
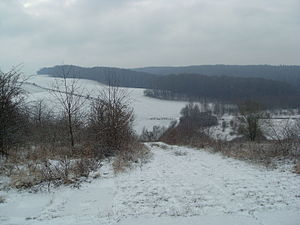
(179, 185)
(279, 129)
(148, 111)
(226, 134)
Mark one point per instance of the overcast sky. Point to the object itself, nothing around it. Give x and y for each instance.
(138, 33)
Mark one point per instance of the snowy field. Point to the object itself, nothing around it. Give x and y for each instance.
(148, 111)
(177, 186)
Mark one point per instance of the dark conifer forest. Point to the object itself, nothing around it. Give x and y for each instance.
(273, 86)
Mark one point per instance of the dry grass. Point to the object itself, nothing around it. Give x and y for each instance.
(251, 151)
(264, 152)
(52, 173)
(25, 179)
(160, 145)
(40, 166)
(137, 154)
(120, 164)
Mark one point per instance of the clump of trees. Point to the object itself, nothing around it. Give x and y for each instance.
(59, 145)
(191, 126)
(192, 116)
(225, 89)
(273, 85)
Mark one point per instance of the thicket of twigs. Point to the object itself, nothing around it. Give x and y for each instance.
(40, 145)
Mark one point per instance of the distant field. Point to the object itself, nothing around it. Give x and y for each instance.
(148, 111)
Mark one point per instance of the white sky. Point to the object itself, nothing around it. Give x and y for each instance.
(136, 33)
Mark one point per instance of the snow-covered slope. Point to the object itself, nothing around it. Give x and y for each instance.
(178, 186)
(148, 111)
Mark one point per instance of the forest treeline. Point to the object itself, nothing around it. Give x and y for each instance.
(285, 73)
(124, 77)
(226, 89)
(233, 84)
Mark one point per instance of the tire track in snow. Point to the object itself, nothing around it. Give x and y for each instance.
(200, 183)
(178, 181)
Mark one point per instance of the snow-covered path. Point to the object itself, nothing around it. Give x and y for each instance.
(178, 186)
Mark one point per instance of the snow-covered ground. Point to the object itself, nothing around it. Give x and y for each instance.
(177, 186)
(282, 128)
(226, 133)
(148, 111)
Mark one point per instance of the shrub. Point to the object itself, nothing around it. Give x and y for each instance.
(2, 199)
(111, 123)
(12, 111)
(297, 169)
(250, 115)
(136, 154)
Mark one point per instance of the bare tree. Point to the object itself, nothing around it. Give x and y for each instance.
(43, 124)
(250, 114)
(70, 96)
(11, 115)
(111, 121)
(39, 112)
(285, 133)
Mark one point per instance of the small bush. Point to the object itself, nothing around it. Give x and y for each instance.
(110, 124)
(297, 169)
(2, 199)
(50, 170)
(250, 125)
(137, 154)
(180, 153)
(84, 166)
